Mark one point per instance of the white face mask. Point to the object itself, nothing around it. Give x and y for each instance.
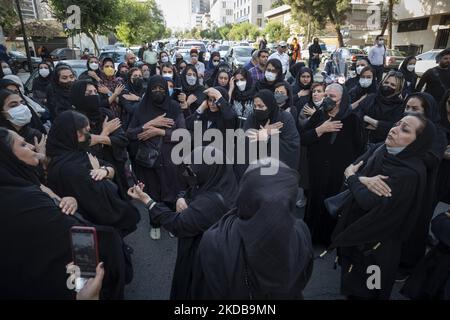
(216, 63)
(93, 66)
(270, 76)
(44, 72)
(241, 85)
(20, 115)
(164, 59)
(365, 83)
(318, 103)
(394, 150)
(7, 71)
(380, 43)
(191, 80)
(168, 75)
(411, 67)
(359, 69)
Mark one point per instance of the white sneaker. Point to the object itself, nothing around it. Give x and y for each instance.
(155, 233)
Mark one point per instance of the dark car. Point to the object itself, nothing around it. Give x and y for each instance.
(19, 61)
(239, 56)
(65, 54)
(78, 66)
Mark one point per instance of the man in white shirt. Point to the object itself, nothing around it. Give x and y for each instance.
(377, 55)
(282, 56)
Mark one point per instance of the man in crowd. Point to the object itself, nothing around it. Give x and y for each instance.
(282, 55)
(257, 72)
(377, 55)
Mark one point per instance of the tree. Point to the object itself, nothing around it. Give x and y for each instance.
(224, 31)
(336, 11)
(277, 3)
(141, 22)
(309, 14)
(276, 31)
(388, 20)
(243, 31)
(97, 16)
(8, 15)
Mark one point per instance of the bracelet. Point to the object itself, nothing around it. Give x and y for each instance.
(149, 204)
(107, 170)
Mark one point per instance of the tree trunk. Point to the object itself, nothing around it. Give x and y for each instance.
(308, 32)
(339, 35)
(90, 36)
(391, 9)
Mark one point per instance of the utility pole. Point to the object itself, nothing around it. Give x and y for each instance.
(24, 35)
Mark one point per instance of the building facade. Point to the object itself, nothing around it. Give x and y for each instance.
(221, 12)
(424, 25)
(251, 11)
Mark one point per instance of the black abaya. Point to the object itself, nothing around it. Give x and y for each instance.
(259, 250)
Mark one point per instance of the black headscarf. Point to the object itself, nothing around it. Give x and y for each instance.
(188, 89)
(222, 66)
(410, 76)
(216, 80)
(149, 109)
(356, 92)
(260, 236)
(264, 84)
(40, 83)
(295, 69)
(380, 223)
(88, 105)
(269, 101)
(14, 172)
(298, 85)
(290, 101)
(431, 108)
(214, 177)
(248, 93)
(210, 66)
(443, 112)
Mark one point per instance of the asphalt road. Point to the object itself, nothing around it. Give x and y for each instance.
(154, 262)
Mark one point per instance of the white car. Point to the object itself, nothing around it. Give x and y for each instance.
(426, 60)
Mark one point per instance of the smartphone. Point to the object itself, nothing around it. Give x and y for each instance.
(85, 250)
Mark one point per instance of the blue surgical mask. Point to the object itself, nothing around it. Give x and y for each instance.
(170, 92)
(394, 150)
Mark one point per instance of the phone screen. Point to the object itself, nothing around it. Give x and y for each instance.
(84, 248)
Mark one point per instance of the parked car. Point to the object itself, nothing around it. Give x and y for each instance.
(223, 50)
(394, 59)
(117, 55)
(426, 60)
(65, 54)
(200, 46)
(19, 61)
(78, 66)
(185, 52)
(347, 57)
(238, 56)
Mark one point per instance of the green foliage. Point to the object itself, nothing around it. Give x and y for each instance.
(8, 15)
(243, 31)
(141, 21)
(276, 31)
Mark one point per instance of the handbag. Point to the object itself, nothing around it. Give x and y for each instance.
(336, 203)
(147, 156)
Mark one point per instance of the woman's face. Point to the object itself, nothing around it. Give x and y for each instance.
(136, 75)
(43, 66)
(366, 75)
(23, 150)
(90, 90)
(4, 65)
(145, 68)
(93, 60)
(415, 105)
(391, 82)
(81, 134)
(318, 93)
(305, 78)
(223, 79)
(12, 101)
(66, 76)
(361, 63)
(191, 73)
(271, 68)
(182, 66)
(239, 77)
(412, 62)
(108, 64)
(282, 90)
(164, 55)
(167, 70)
(403, 132)
(212, 104)
(259, 104)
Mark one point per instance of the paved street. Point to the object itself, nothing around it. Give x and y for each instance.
(154, 262)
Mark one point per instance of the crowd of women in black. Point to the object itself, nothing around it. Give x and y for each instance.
(371, 161)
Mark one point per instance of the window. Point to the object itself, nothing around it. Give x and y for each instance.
(259, 8)
(259, 22)
(223, 20)
(224, 4)
(245, 9)
(413, 25)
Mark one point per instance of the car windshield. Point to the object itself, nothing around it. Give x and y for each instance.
(243, 52)
(117, 57)
(223, 48)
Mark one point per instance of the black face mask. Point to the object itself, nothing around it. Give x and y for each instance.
(66, 85)
(328, 104)
(280, 98)
(158, 97)
(123, 74)
(190, 177)
(84, 145)
(261, 115)
(386, 91)
(92, 102)
(138, 84)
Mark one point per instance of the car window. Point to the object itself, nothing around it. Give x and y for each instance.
(223, 48)
(428, 55)
(243, 52)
